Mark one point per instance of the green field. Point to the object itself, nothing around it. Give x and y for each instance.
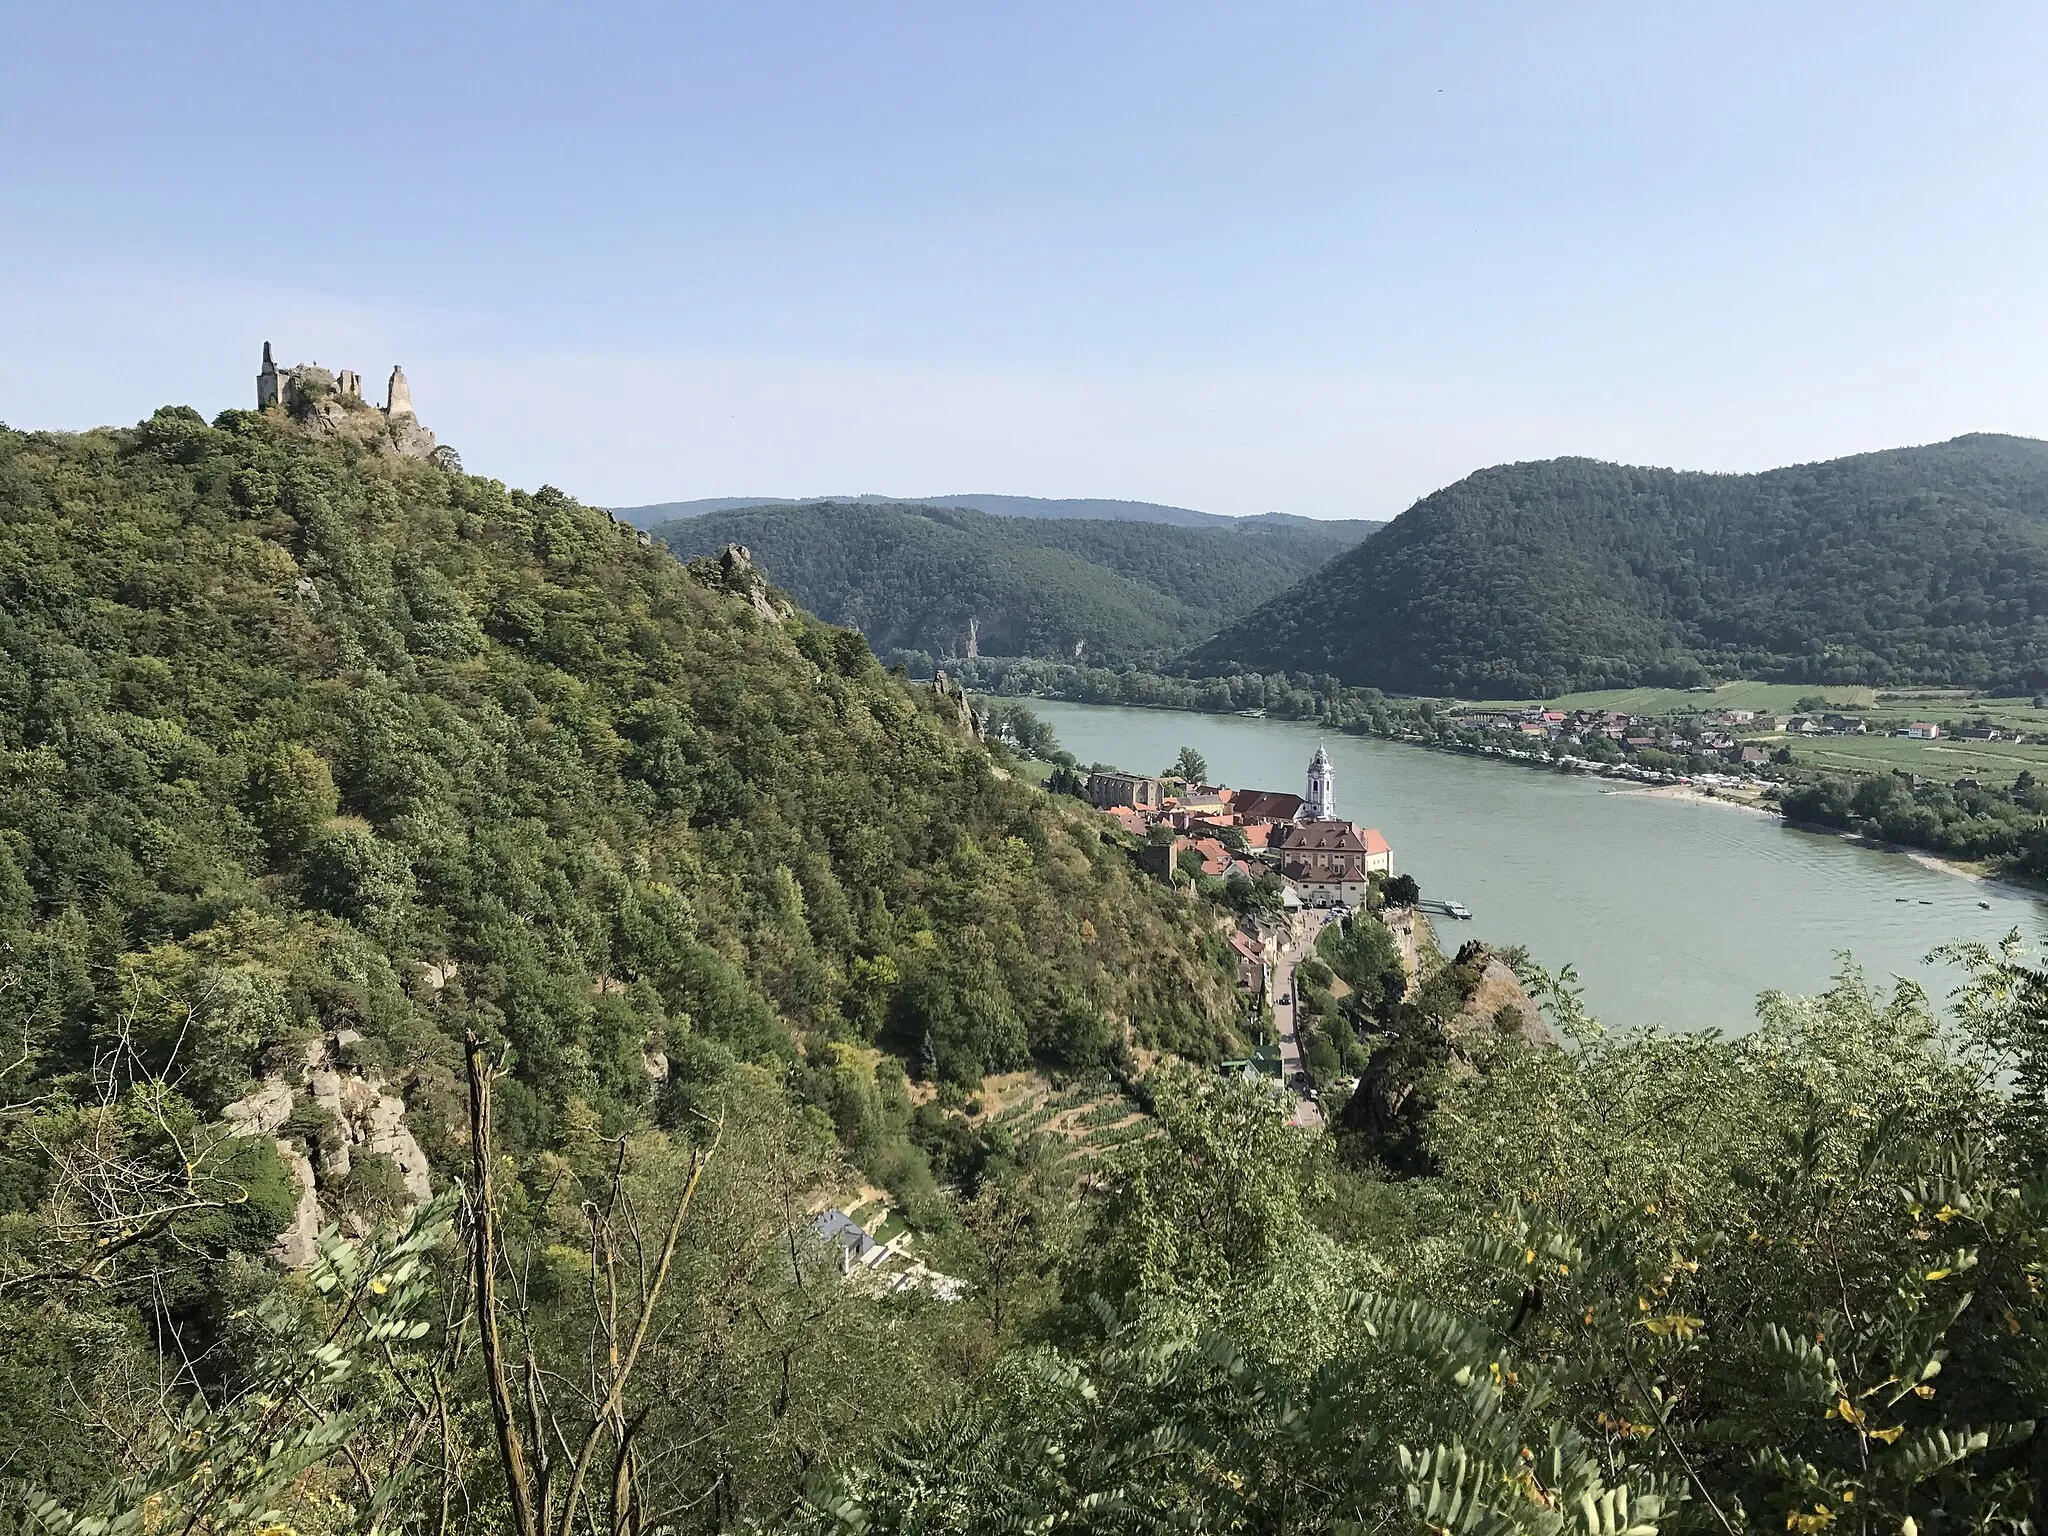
(1764, 698)
(1992, 762)
(1951, 704)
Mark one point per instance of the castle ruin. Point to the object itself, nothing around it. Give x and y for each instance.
(331, 403)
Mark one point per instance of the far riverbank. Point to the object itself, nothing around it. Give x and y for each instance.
(1668, 918)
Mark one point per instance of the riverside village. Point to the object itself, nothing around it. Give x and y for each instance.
(1314, 868)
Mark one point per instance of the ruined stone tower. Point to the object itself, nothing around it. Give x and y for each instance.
(269, 391)
(398, 397)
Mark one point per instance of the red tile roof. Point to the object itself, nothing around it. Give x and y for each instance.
(1267, 805)
(1326, 836)
(1128, 817)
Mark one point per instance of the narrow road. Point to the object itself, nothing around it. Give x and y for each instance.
(1306, 1111)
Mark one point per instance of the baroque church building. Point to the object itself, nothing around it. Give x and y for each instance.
(1327, 860)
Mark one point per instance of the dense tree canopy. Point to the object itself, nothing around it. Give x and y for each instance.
(912, 577)
(622, 872)
(1917, 565)
(300, 742)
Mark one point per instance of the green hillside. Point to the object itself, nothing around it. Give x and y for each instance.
(914, 577)
(1098, 509)
(340, 797)
(308, 747)
(1913, 566)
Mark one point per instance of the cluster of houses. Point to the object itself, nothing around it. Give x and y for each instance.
(1713, 731)
(1718, 731)
(1321, 859)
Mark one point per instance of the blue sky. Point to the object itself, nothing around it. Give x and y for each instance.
(1311, 258)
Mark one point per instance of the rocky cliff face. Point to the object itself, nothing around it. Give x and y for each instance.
(734, 571)
(329, 1120)
(955, 698)
(1465, 1005)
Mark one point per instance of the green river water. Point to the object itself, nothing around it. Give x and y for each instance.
(1673, 913)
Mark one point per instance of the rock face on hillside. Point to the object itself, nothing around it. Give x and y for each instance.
(734, 571)
(954, 696)
(332, 1116)
(1387, 1116)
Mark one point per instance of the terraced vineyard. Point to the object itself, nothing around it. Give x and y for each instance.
(1092, 1119)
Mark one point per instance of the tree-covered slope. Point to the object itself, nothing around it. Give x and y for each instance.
(1089, 508)
(1915, 565)
(277, 706)
(314, 761)
(914, 577)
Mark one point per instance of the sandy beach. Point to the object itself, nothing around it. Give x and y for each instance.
(1695, 796)
(1962, 872)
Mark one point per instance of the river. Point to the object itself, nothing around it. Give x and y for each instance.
(1673, 913)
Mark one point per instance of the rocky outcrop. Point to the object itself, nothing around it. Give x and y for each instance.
(954, 702)
(734, 571)
(331, 1114)
(1467, 1007)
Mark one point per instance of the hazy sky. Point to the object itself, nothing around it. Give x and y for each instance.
(1321, 259)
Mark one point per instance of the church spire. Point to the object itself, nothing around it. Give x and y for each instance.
(1322, 787)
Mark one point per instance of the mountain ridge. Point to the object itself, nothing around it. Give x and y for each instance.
(1052, 508)
(1924, 564)
(920, 579)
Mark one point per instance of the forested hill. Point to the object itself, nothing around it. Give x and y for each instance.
(350, 808)
(913, 577)
(1915, 565)
(1100, 509)
(308, 748)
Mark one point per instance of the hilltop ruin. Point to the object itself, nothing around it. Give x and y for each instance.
(331, 403)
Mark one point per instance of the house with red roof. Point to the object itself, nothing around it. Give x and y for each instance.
(1251, 961)
(1330, 862)
(1266, 806)
(1130, 818)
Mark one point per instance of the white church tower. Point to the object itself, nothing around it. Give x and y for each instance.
(1322, 788)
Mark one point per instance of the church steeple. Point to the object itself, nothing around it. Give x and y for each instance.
(1321, 804)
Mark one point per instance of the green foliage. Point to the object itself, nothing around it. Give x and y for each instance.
(298, 740)
(1789, 1282)
(1925, 565)
(331, 1358)
(1017, 726)
(291, 794)
(1966, 820)
(555, 757)
(913, 577)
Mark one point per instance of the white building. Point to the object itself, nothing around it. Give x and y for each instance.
(1321, 803)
